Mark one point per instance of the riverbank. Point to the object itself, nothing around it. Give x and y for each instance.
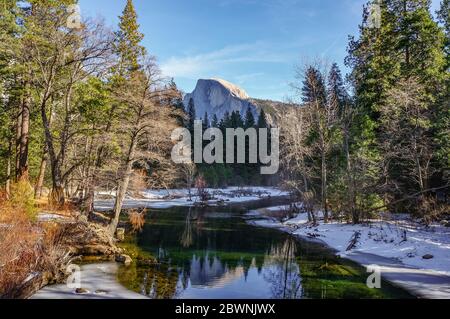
(99, 281)
(74, 240)
(163, 199)
(410, 255)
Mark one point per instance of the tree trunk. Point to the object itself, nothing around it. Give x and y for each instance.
(324, 187)
(43, 167)
(350, 183)
(56, 198)
(88, 201)
(41, 176)
(22, 170)
(8, 171)
(89, 188)
(88, 182)
(17, 146)
(123, 186)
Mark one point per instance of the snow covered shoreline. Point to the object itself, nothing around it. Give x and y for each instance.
(97, 281)
(162, 199)
(383, 244)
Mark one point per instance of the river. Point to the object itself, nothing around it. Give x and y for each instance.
(217, 253)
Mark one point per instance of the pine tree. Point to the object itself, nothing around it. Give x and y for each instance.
(206, 123)
(262, 120)
(323, 117)
(376, 66)
(191, 113)
(442, 118)
(130, 52)
(236, 120)
(444, 15)
(336, 93)
(314, 87)
(444, 19)
(421, 41)
(176, 98)
(249, 119)
(225, 122)
(407, 48)
(128, 40)
(8, 34)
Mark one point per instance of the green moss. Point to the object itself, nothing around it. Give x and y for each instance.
(340, 289)
(134, 251)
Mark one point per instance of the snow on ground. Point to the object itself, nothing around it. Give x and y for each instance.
(180, 197)
(98, 281)
(48, 217)
(382, 243)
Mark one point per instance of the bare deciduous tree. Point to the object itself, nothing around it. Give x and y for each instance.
(145, 125)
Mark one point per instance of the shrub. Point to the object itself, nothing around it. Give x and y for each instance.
(202, 193)
(22, 198)
(137, 220)
(27, 248)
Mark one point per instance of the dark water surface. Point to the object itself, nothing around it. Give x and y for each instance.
(217, 254)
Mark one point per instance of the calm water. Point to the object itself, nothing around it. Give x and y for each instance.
(217, 254)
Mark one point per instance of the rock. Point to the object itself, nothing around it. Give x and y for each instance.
(94, 250)
(217, 96)
(428, 256)
(89, 239)
(81, 291)
(120, 234)
(101, 292)
(124, 259)
(445, 223)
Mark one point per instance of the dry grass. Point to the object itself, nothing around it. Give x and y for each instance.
(137, 220)
(27, 248)
(66, 210)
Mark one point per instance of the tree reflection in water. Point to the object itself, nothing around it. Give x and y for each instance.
(205, 254)
(282, 271)
(187, 239)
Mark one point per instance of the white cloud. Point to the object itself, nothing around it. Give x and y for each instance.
(244, 78)
(205, 64)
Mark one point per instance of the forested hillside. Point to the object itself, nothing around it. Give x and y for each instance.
(377, 139)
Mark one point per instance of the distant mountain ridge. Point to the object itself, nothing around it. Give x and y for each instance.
(218, 96)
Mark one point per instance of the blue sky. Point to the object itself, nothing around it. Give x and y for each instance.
(255, 44)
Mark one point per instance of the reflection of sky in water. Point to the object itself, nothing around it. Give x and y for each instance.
(235, 286)
(269, 270)
(212, 256)
(209, 278)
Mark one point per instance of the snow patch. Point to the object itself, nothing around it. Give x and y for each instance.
(398, 246)
(162, 199)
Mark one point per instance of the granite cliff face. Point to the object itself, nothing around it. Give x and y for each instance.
(217, 96)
